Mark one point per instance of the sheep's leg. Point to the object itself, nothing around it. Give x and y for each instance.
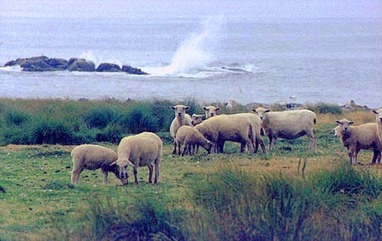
(150, 167)
(375, 156)
(105, 174)
(312, 141)
(174, 150)
(135, 171)
(184, 150)
(272, 142)
(261, 142)
(379, 157)
(76, 175)
(156, 166)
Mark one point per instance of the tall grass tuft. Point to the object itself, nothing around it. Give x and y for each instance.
(146, 218)
(50, 131)
(140, 118)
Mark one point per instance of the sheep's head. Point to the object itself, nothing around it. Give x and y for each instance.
(208, 146)
(378, 115)
(180, 110)
(123, 169)
(344, 124)
(260, 111)
(196, 119)
(211, 111)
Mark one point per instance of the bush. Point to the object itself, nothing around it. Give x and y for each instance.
(50, 131)
(146, 219)
(101, 117)
(15, 117)
(324, 108)
(140, 118)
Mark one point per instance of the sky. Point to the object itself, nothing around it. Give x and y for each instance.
(192, 8)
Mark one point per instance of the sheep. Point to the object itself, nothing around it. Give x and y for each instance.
(289, 124)
(180, 119)
(211, 111)
(196, 119)
(144, 149)
(223, 128)
(355, 138)
(191, 137)
(92, 157)
(379, 122)
(257, 124)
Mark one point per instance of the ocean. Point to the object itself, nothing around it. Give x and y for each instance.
(208, 57)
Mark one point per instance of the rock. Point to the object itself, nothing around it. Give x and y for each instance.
(75, 64)
(131, 70)
(57, 63)
(107, 67)
(36, 66)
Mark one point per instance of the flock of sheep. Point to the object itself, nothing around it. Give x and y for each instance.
(146, 149)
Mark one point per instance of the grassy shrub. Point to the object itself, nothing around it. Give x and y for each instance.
(101, 117)
(50, 131)
(140, 118)
(14, 117)
(146, 219)
(325, 108)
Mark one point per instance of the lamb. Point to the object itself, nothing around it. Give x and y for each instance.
(223, 128)
(290, 124)
(92, 157)
(180, 119)
(211, 111)
(355, 138)
(144, 149)
(191, 137)
(379, 122)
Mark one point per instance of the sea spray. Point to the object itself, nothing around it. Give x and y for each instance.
(195, 53)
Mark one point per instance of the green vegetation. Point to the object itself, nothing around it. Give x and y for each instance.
(287, 194)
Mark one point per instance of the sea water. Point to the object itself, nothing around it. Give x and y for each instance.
(206, 57)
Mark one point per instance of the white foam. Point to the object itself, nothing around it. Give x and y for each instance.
(196, 52)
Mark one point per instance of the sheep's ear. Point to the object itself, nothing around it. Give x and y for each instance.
(254, 110)
(351, 122)
(338, 122)
(205, 108)
(173, 107)
(374, 111)
(130, 163)
(267, 110)
(113, 163)
(187, 107)
(217, 108)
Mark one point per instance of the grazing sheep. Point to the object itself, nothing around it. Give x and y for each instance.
(180, 119)
(379, 122)
(92, 157)
(191, 138)
(355, 138)
(144, 149)
(223, 128)
(257, 124)
(289, 124)
(211, 111)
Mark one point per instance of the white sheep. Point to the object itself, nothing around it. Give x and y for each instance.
(144, 149)
(223, 128)
(191, 137)
(258, 128)
(379, 122)
(180, 119)
(211, 111)
(290, 124)
(92, 157)
(196, 119)
(355, 138)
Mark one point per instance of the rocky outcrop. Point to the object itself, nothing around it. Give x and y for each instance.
(43, 63)
(75, 64)
(107, 67)
(131, 70)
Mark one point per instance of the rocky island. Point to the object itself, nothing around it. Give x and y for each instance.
(44, 63)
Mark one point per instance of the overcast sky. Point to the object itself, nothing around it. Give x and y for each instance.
(193, 8)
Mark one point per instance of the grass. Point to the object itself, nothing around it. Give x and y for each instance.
(287, 194)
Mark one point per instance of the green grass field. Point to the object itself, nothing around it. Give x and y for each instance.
(287, 194)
